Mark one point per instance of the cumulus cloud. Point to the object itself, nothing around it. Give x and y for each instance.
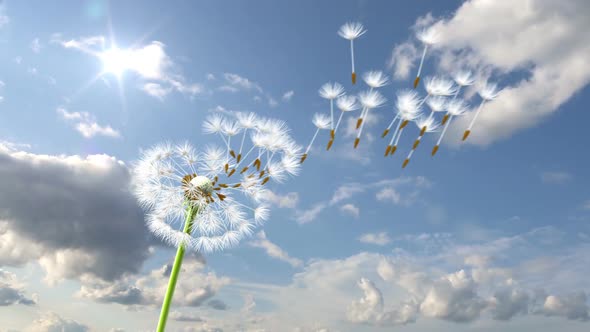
(273, 250)
(238, 82)
(309, 215)
(185, 317)
(540, 42)
(86, 125)
(51, 322)
(572, 306)
(90, 223)
(156, 90)
(379, 239)
(12, 291)
(288, 200)
(288, 95)
(350, 209)
(148, 290)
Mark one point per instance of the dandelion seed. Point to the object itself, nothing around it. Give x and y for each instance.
(462, 78)
(455, 108)
(369, 100)
(345, 104)
(374, 79)
(331, 91)
(426, 125)
(408, 109)
(352, 31)
(428, 37)
(321, 122)
(487, 92)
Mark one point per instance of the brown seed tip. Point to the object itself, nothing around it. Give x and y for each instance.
(232, 153)
(303, 158)
(356, 142)
(405, 163)
(332, 133)
(416, 82)
(353, 78)
(265, 180)
(221, 197)
(359, 122)
(232, 172)
(466, 134)
(226, 167)
(445, 119)
(257, 164)
(416, 143)
(239, 157)
(385, 132)
(237, 185)
(393, 149)
(261, 174)
(387, 150)
(423, 131)
(330, 144)
(404, 124)
(244, 170)
(434, 150)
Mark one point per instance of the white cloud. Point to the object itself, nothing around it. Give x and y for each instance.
(86, 125)
(51, 322)
(272, 102)
(350, 209)
(287, 96)
(379, 239)
(156, 90)
(288, 201)
(12, 291)
(306, 216)
(36, 45)
(555, 177)
(210, 77)
(572, 306)
(273, 250)
(402, 60)
(241, 83)
(539, 40)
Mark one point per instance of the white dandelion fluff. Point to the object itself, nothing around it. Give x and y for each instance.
(456, 107)
(352, 31)
(408, 107)
(487, 92)
(322, 122)
(375, 79)
(345, 104)
(369, 100)
(438, 86)
(426, 124)
(331, 91)
(428, 37)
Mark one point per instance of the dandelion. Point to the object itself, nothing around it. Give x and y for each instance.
(344, 104)
(331, 91)
(408, 109)
(455, 107)
(322, 122)
(374, 79)
(487, 92)
(462, 78)
(192, 205)
(427, 125)
(352, 31)
(428, 37)
(369, 100)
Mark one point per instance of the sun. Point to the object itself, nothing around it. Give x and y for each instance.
(115, 61)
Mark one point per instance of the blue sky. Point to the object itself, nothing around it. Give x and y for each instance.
(355, 242)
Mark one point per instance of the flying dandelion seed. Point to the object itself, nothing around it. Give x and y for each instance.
(428, 37)
(344, 104)
(426, 125)
(438, 86)
(191, 202)
(462, 79)
(487, 92)
(456, 107)
(375, 80)
(408, 109)
(352, 31)
(322, 122)
(331, 91)
(369, 100)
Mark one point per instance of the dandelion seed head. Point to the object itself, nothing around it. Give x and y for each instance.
(429, 122)
(428, 36)
(331, 90)
(488, 91)
(375, 79)
(464, 78)
(438, 86)
(321, 121)
(347, 103)
(351, 30)
(408, 105)
(436, 103)
(371, 99)
(457, 107)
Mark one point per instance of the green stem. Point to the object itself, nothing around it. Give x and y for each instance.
(190, 215)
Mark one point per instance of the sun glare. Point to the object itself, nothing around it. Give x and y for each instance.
(115, 61)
